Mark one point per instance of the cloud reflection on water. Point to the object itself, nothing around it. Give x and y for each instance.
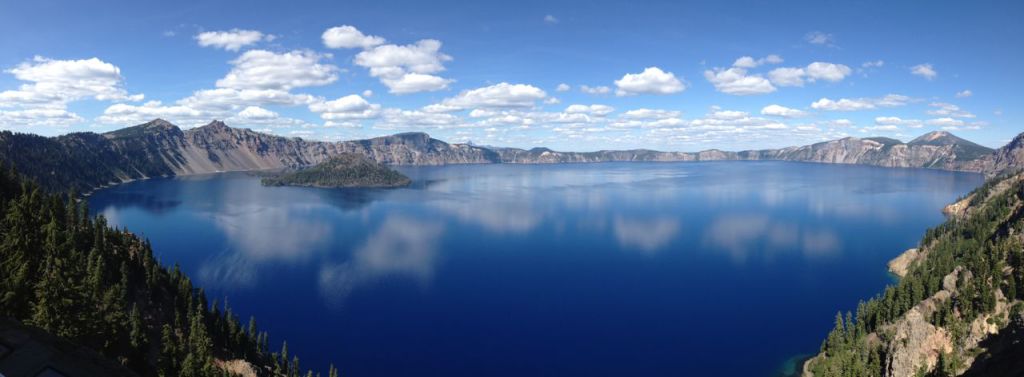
(743, 235)
(401, 247)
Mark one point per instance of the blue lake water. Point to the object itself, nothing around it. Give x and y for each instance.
(616, 269)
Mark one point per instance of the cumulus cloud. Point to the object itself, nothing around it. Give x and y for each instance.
(948, 110)
(36, 117)
(827, 71)
(736, 81)
(945, 122)
(964, 93)
(599, 110)
(750, 62)
(782, 111)
(261, 69)
(644, 113)
(231, 40)
(651, 81)
(595, 89)
(258, 116)
(847, 104)
(346, 36)
(342, 111)
(217, 102)
(501, 95)
(897, 121)
(795, 76)
(398, 119)
(924, 70)
(787, 76)
(563, 87)
(407, 68)
(54, 83)
(126, 114)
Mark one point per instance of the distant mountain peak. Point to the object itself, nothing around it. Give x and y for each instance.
(216, 124)
(155, 126)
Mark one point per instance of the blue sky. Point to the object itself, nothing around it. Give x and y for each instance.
(569, 75)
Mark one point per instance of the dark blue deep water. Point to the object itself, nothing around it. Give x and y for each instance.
(618, 269)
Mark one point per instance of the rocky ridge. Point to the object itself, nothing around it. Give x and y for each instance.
(85, 161)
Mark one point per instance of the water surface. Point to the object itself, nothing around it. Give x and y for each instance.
(644, 269)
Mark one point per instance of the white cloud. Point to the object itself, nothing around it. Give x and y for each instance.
(407, 68)
(643, 113)
(54, 83)
(398, 119)
(367, 93)
(945, 122)
(750, 62)
(563, 87)
(598, 110)
(231, 40)
(924, 70)
(45, 117)
(964, 93)
(949, 110)
(827, 71)
(787, 76)
(221, 101)
(346, 108)
(502, 95)
(897, 121)
(846, 104)
(346, 36)
(651, 81)
(258, 116)
(736, 81)
(782, 111)
(549, 19)
(595, 89)
(261, 69)
(256, 112)
(819, 38)
(815, 71)
(125, 114)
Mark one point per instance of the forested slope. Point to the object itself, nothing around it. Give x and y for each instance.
(958, 308)
(100, 287)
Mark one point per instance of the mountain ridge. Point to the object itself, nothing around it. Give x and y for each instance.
(85, 161)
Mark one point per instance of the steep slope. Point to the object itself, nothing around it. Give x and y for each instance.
(1007, 158)
(102, 290)
(957, 307)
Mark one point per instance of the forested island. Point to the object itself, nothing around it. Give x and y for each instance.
(99, 287)
(343, 170)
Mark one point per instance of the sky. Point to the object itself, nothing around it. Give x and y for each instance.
(569, 75)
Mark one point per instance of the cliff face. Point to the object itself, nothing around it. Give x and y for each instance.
(85, 161)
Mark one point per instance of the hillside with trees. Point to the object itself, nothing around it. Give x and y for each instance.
(957, 311)
(74, 276)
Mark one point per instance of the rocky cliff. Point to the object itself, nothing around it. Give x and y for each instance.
(85, 161)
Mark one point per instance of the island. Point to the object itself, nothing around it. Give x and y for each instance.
(344, 170)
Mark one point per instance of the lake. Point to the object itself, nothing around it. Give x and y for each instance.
(611, 269)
